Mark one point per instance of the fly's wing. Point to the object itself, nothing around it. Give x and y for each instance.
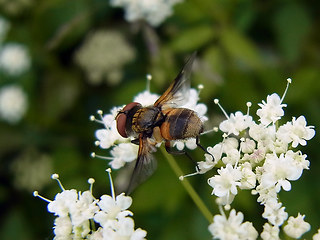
(178, 91)
(145, 164)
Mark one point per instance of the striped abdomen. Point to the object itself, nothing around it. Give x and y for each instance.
(180, 123)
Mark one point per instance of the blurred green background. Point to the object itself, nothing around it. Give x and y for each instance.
(84, 56)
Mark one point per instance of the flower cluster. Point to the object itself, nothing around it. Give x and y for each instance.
(13, 103)
(232, 227)
(103, 55)
(261, 157)
(79, 213)
(14, 61)
(122, 150)
(153, 11)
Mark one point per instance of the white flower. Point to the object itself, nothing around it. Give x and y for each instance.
(123, 153)
(275, 214)
(264, 135)
(112, 208)
(299, 159)
(189, 143)
(109, 135)
(209, 163)
(153, 11)
(232, 227)
(232, 157)
(215, 151)
(14, 59)
(270, 232)
(62, 202)
(296, 227)
(257, 156)
(317, 235)
(248, 179)
(296, 132)
(236, 123)
(278, 170)
(271, 111)
(78, 212)
(123, 229)
(230, 144)
(62, 228)
(226, 182)
(13, 103)
(83, 209)
(248, 145)
(265, 194)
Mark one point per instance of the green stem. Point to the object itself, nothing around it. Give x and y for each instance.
(190, 190)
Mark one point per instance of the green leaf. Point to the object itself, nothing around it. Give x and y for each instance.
(291, 25)
(193, 38)
(240, 49)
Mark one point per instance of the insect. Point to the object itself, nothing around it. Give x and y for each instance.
(162, 121)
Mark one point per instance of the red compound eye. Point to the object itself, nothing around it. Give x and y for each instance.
(122, 119)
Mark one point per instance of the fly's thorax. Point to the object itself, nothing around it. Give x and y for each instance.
(181, 123)
(145, 119)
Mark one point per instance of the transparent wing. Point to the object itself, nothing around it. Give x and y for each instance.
(178, 92)
(145, 164)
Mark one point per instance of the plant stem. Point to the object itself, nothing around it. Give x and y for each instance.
(190, 190)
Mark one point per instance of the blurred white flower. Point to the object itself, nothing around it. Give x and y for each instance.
(13, 103)
(31, 170)
(14, 8)
(103, 55)
(153, 11)
(232, 227)
(271, 111)
(296, 227)
(14, 59)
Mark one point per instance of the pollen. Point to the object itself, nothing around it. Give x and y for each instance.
(91, 180)
(55, 176)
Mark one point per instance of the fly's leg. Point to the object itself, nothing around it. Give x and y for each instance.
(170, 150)
(200, 146)
(157, 135)
(135, 141)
